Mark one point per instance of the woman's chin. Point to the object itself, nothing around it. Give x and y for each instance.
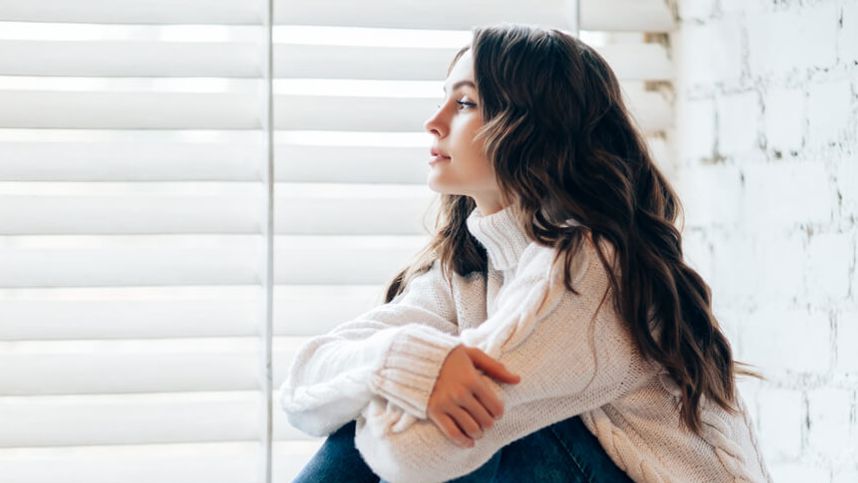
(439, 187)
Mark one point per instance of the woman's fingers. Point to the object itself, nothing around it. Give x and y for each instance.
(488, 398)
(479, 413)
(451, 430)
(465, 421)
(491, 366)
(462, 403)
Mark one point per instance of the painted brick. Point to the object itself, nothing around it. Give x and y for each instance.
(734, 268)
(782, 413)
(749, 389)
(738, 122)
(829, 433)
(829, 111)
(696, 253)
(787, 340)
(782, 79)
(744, 6)
(798, 38)
(696, 9)
(784, 119)
(695, 129)
(847, 342)
(722, 41)
(845, 475)
(776, 194)
(798, 473)
(848, 40)
(730, 320)
(830, 261)
(710, 194)
(777, 276)
(846, 174)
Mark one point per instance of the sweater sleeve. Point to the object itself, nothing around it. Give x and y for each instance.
(333, 376)
(572, 356)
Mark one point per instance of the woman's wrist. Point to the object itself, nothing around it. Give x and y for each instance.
(409, 369)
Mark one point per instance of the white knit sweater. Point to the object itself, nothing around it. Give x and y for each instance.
(380, 369)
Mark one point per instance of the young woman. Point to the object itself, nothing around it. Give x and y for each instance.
(551, 330)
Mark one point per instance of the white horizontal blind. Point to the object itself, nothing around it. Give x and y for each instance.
(132, 159)
(131, 248)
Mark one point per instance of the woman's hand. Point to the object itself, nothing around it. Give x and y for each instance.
(462, 403)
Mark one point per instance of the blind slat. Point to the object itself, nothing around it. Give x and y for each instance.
(224, 208)
(633, 61)
(223, 462)
(376, 13)
(225, 110)
(56, 158)
(36, 368)
(625, 15)
(131, 260)
(102, 419)
(63, 155)
(174, 312)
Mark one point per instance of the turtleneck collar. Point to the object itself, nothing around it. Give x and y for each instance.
(501, 234)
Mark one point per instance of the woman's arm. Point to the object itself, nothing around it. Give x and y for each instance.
(333, 376)
(571, 358)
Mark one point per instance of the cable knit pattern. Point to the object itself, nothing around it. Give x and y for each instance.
(574, 358)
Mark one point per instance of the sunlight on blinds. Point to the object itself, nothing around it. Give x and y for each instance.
(131, 243)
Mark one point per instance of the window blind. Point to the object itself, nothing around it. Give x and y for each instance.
(132, 158)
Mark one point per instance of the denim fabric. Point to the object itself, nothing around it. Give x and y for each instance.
(563, 452)
(338, 460)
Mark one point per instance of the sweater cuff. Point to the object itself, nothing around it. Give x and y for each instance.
(410, 367)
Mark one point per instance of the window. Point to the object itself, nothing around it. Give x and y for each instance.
(133, 198)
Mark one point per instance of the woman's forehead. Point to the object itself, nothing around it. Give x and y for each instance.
(463, 70)
(461, 75)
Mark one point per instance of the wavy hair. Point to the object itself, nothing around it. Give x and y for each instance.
(563, 144)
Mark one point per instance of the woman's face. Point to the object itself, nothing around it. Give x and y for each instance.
(465, 170)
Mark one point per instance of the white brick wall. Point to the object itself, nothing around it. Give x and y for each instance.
(766, 144)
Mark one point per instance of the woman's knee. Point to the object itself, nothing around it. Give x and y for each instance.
(337, 460)
(585, 451)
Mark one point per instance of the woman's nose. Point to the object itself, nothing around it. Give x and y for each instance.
(433, 125)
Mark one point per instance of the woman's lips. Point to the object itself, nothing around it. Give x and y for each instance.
(438, 159)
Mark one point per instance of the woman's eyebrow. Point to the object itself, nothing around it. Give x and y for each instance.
(461, 83)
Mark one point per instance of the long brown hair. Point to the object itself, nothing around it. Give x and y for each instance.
(563, 145)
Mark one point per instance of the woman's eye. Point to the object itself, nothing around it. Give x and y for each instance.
(461, 103)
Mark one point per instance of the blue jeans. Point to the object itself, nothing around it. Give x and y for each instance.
(563, 452)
